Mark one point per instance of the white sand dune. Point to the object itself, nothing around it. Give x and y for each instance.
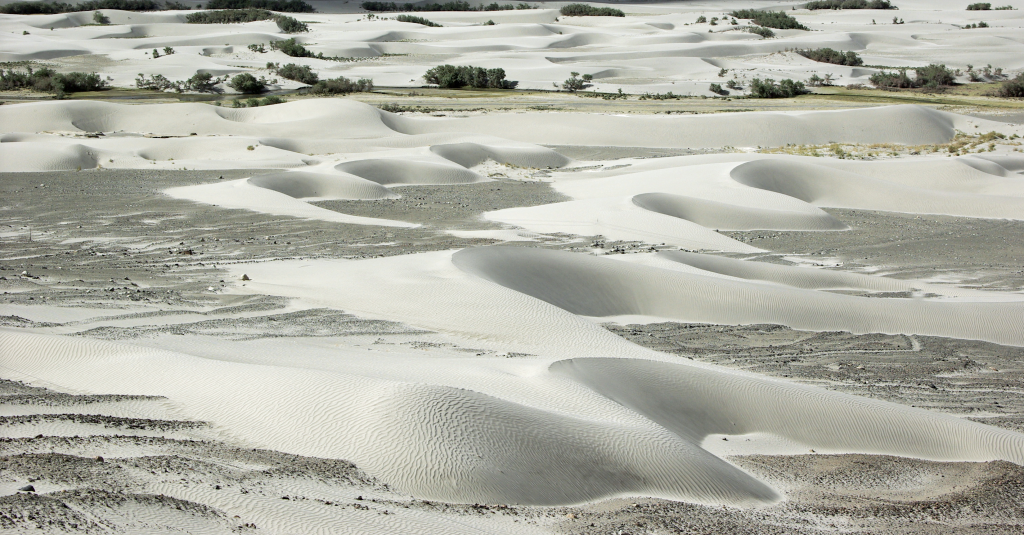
(591, 286)
(307, 185)
(394, 172)
(718, 215)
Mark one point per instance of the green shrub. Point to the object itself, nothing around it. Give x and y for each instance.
(50, 81)
(767, 88)
(980, 6)
(286, 6)
(717, 89)
(300, 73)
(176, 6)
(760, 30)
(771, 19)
(892, 80)
(292, 48)
(451, 76)
(418, 20)
(248, 84)
(341, 86)
(457, 5)
(934, 75)
(289, 25)
(99, 18)
(576, 83)
(849, 4)
(228, 16)
(836, 57)
(587, 10)
(202, 82)
(1012, 88)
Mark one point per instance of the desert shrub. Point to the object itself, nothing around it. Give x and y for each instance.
(1012, 88)
(300, 73)
(99, 18)
(44, 8)
(701, 20)
(176, 6)
(292, 48)
(50, 81)
(576, 82)
(457, 5)
(767, 88)
(980, 6)
(587, 10)
(286, 6)
(849, 4)
(489, 23)
(341, 86)
(258, 48)
(255, 103)
(418, 20)
(202, 82)
(892, 80)
(248, 84)
(934, 75)
(732, 84)
(760, 30)
(717, 89)
(770, 19)
(451, 76)
(836, 57)
(289, 25)
(228, 16)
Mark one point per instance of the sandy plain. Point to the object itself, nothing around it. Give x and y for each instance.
(521, 311)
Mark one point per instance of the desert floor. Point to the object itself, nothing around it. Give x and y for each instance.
(423, 310)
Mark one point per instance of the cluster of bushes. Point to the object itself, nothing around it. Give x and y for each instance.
(341, 86)
(231, 16)
(587, 10)
(576, 82)
(934, 75)
(981, 24)
(849, 4)
(50, 81)
(44, 8)
(257, 102)
(286, 6)
(248, 84)
(770, 19)
(818, 81)
(300, 73)
(292, 48)
(718, 90)
(417, 20)
(451, 76)
(201, 82)
(760, 30)
(456, 5)
(836, 57)
(767, 88)
(1012, 88)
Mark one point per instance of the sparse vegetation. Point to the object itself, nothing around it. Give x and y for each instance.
(1012, 88)
(248, 84)
(576, 83)
(228, 16)
(892, 80)
(48, 80)
(980, 6)
(850, 4)
(836, 57)
(99, 18)
(419, 20)
(458, 5)
(973, 25)
(286, 6)
(201, 82)
(299, 73)
(289, 25)
(45, 8)
(451, 76)
(292, 48)
(770, 19)
(932, 76)
(587, 10)
(760, 30)
(717, 89)
(767, 88)
(258, 48)
(341, 86)
(255, 103)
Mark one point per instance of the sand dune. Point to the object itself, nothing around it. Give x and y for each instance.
(718, 215)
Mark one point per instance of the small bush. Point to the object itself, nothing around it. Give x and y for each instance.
(228, 16)
(258, 48)
(1012, 88)
(767, 88)
(849, 4)
(934, 75)
(292, 48)
(836, 57)
(99, 18)
(255, 103)
(419, 20)
(289, 25)
(701, 20)
(247, 84)
(300, 73)
(587, 10)
(760, 30)
(285, 6)
(717, 89)
(980, 6)
(450, 76)
(892, 80)
(202, 82)
(341, 86)
(770, 19)
(576, 83)
(176, 6)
